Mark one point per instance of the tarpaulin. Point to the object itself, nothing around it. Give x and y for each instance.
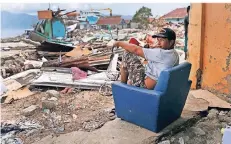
(92, 19)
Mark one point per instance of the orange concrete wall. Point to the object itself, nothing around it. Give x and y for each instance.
(211, 24)
(195, 39)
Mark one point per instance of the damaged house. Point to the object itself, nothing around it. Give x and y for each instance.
(175, 16)
(113, 21)
(131, 24)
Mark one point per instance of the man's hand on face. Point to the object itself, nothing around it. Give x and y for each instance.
(149, 39)
(152, 42)
(155, 44)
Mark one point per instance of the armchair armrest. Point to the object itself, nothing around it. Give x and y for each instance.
(137, 89)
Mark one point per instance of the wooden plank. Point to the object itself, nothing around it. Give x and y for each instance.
(213, 100)
(12, 84)
(195, 105)
(18, 94)
(45, 14)
(78, 52)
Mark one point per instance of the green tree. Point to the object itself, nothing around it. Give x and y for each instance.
(141, 16)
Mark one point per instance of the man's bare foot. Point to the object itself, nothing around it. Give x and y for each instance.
(65, 90)
(70, 90)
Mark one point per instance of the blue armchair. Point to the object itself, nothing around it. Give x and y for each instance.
(154, 109)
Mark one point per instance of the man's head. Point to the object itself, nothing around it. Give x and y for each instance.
(166, 38)
(188, 9)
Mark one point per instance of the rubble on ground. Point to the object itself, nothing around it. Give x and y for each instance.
(18, 63)
(207, 130)
(88, 43)
(81, 110)
(77, 72)
(12, 39)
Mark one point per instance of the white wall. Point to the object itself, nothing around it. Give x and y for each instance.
(134, 25)
(175, 20)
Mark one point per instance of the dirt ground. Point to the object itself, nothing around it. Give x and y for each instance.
(82, 110)
(11, 53)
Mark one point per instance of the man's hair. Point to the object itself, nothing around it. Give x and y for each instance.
(173, 45)
(188, 9)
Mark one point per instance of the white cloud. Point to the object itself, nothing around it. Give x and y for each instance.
(117, 8)
(34, 7)
(72, 6)
(86, 6)
(10, 7)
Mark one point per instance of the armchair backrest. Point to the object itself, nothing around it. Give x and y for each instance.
(173, 78)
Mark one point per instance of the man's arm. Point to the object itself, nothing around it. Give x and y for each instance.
(130, 48)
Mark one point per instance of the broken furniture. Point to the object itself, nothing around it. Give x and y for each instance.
(154, 109)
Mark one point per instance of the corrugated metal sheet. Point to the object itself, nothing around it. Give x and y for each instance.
(60, 79)
(63, 78)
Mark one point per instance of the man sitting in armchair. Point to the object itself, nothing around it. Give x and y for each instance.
(159, 56)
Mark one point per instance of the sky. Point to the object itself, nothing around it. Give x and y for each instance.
(117, 8)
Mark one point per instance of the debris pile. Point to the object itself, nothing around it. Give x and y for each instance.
(9, 131)
(18, 63)
(64, 82)
(90, 51)
(12, 39)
